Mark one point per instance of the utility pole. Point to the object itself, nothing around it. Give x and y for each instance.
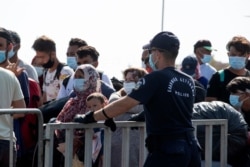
(162, 15)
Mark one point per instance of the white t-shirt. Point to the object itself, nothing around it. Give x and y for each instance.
(10, 91)
(207, 71)
(31, 71)
(52, 84)
(107, 80)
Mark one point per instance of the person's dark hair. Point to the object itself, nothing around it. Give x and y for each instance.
(238, 83)
(203, 43)
(44, 44)
(5, 34)
(117, 84)
(78, 42)
(138, 72)
(240, 43)
(15, 37)
(87, 50)
(98, 96)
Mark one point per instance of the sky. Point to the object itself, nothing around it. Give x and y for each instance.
(119, 28)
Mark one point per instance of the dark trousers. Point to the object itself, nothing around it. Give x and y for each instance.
(178, 152)
(5, 153)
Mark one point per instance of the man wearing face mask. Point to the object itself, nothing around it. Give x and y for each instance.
(145, 58)
(87, 55)
(202, 50)
(239, 89)
(167, 96)
(238, 53)
(55, 71)
(13, 57)
(74, 44)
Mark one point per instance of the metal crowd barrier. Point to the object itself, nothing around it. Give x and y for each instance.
(126, 126)
(69, 127)
(40, 131)
(209, 123)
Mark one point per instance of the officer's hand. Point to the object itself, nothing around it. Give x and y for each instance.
(110, 123)
(85, 118)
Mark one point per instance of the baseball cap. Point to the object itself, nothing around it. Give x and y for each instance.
(165, 40)
(5, 34)
(189, 65)
(204, 43)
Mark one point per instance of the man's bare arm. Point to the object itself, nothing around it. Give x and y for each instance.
(18, 104)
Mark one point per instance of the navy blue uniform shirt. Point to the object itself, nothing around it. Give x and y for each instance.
(168, 98)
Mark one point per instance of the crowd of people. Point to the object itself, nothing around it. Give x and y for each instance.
(165, 97)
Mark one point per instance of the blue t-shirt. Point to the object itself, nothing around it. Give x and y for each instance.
(24, 83)
(168, 98)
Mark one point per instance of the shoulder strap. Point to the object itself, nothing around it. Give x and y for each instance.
(100, 74)
(222, 75)
(58, 70)
(66, 81)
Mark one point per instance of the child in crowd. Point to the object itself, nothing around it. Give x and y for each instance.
(96, 101)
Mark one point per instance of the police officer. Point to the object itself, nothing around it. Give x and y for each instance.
(168, 96)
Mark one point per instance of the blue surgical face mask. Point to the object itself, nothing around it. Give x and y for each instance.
(11, 53)
(39, 70)
(237, 62)
(71, 62)
(235, 101)
(151, 63)
(2, 56)
(206, 58)
(79, 84)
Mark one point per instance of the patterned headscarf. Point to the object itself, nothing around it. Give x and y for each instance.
(77, 105)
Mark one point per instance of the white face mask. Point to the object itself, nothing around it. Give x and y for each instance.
(128, 86)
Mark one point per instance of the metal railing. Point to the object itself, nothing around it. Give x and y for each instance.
(40, 131)
(69, 128)
(209, 123)
(126, 126)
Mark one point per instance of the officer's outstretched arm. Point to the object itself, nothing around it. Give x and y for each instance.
(115, 108)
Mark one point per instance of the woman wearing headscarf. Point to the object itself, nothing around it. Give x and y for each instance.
(86, 81)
